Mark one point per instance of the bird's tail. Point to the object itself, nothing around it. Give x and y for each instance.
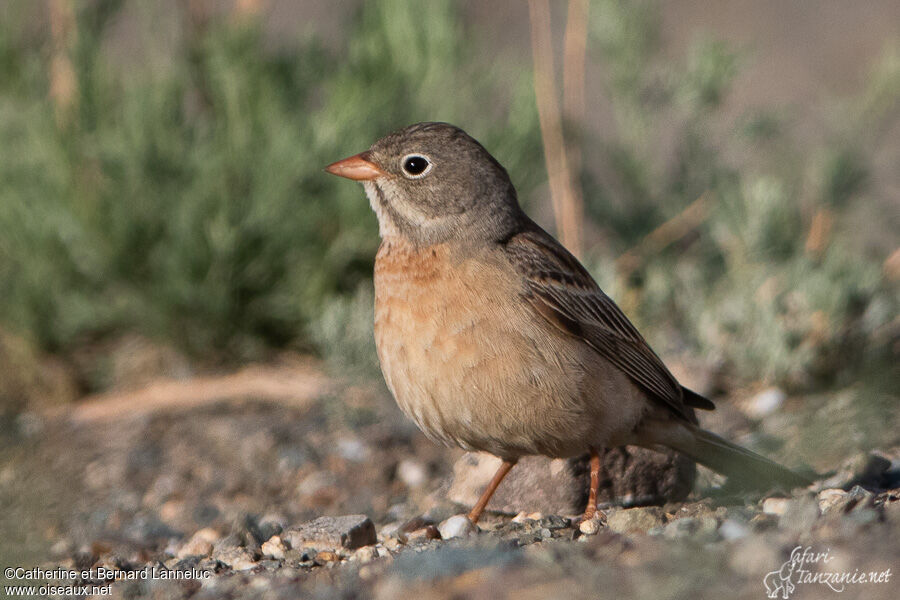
(743, 467)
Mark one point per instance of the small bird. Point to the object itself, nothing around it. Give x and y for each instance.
(493, 337)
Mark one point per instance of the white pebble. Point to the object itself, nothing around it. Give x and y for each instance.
(766, 402)
(457, 526)
(775, 506)
(412, 473)
(590, 527)
(274, 547)
(733, 530)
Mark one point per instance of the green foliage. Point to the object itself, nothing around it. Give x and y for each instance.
(188, 202)
(744, 289)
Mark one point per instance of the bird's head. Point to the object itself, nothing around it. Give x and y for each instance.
(432, 183)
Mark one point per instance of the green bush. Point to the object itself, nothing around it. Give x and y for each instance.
(188, 202)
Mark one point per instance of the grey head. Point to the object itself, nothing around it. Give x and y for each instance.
(432, 183)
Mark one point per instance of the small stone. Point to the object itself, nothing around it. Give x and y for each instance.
(352, 449)
(299, 555)
(200, 544)
(832, 500)
(394, 543)
(590, 526)
(859, 497)
(417, 523)
(554, 521)
(327, 556)
(412, 473)
(457, 526)
(732, 529)
(274, 547)
(429, 532)
(366, 554)
(239, 559)
(351, 532)
(765, 403)
(635, 520)
(775, 506)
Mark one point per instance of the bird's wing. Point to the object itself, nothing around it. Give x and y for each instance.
(560, 289)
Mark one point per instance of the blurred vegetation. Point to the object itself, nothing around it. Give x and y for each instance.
(188, 202)
(180, 195)
(767, 283)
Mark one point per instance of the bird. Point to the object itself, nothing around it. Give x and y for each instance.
(493, 337)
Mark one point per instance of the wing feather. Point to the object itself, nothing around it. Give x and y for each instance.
(560, 289)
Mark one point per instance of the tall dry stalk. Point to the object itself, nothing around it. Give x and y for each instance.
(574, 109)
(63, 82)
(566, 203)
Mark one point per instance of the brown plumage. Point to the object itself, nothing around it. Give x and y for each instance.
(493, 337)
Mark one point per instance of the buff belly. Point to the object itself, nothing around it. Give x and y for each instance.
(472, 368)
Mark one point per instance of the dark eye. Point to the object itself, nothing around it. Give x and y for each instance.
(416, 165)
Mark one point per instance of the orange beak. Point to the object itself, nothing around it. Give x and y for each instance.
(357, 168)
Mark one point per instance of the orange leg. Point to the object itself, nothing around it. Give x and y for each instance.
(591, 510)
(476, 511)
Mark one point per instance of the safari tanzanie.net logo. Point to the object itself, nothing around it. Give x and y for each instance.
(808, 567)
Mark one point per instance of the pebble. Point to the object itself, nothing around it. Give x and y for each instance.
(589, 527)
(775, 506)
(352, 449)
(274, 547)
(200, 544)
(429, 532)
(732, 529)
(238, 559)
(350, 531)
(635, 520)
(832, 499)
(765, 403)
(859, 497)
(394, 543)
(327, 556)
(457, 526)
(412, 473)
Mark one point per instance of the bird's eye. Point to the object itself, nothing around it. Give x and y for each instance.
(415, 166)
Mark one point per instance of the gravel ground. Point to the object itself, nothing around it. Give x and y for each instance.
(227, 492)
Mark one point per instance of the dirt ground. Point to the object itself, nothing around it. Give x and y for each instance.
(214, 475)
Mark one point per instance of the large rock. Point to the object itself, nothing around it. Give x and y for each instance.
(629, 476)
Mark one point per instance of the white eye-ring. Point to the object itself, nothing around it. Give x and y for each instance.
(415, 166)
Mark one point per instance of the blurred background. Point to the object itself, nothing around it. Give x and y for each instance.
(729, 171)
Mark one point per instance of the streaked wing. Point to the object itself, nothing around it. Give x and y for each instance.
(563, 292)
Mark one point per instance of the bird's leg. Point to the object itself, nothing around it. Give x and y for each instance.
(476, 511)
(591, 510)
